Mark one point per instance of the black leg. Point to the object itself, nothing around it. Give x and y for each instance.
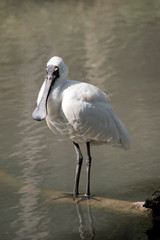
(78, 168)
(88, 169)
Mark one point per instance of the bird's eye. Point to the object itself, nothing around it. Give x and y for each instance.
(46, 69)
(56, 69)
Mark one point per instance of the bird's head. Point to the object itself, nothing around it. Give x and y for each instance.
(55, 70)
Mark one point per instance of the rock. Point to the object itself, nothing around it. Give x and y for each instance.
(154, 204)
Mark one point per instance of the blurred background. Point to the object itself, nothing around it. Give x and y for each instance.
(113, 44)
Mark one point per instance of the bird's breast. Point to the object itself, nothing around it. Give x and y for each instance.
(53, 106)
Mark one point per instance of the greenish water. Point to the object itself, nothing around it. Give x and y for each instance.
(114, 45)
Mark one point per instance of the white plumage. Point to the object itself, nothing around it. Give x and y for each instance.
(81, 111)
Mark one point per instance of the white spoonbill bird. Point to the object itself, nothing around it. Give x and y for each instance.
(79, 111)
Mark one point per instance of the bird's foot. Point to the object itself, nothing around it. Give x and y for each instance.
(75, 195)
(88, 195)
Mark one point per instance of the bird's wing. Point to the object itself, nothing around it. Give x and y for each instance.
(93, 119)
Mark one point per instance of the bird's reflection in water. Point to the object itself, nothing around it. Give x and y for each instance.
(86, 232)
